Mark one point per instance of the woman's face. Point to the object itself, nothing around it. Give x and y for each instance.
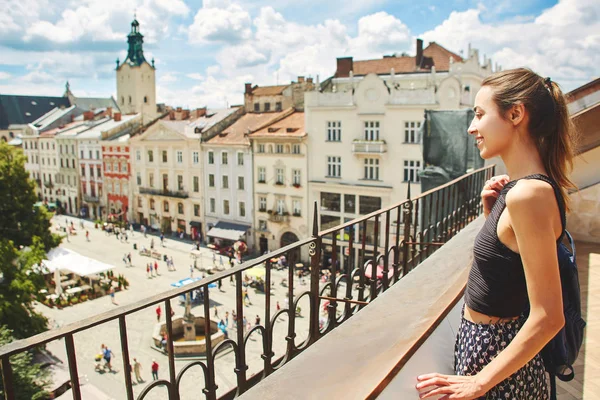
(492, 132)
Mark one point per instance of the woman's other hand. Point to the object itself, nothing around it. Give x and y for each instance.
(491, 190)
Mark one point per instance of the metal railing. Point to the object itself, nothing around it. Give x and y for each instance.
(369, 146)
(363, 257)
(182, 194)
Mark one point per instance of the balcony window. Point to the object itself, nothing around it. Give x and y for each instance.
(151, 180)
(371, 130)
(180, 208)
(211, 180)
(262, 174)
(262, 204)
(165, 182)
(280, 206)
(212, 204)
(279, 173)
(411, 131)
(411, 171)
(179, 157)
(334, 131)
(179, 182)
(196, 184)
(372, 169)
(334, 166)
(211, 157)
(165, 206)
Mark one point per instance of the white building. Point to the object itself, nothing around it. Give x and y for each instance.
(364, 128)
(280, 182)
(168, 192)
(228, 181)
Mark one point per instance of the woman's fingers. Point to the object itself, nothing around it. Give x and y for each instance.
(435, 392)
(424, 377)
(437, 381)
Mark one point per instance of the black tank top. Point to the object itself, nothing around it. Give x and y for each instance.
(496, 285)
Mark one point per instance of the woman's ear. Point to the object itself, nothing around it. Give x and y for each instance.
(516, 114)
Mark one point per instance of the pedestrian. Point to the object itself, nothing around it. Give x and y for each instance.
(126, 238)
(137, 366)
(220, 283)
(220, 260)
(111, 291)
(248, 326)
(158, 312)
(143, 228)
(173, 264)
(87, 235)
(149, 270)
(257, 320)
(152, 244)
(278, 307)
(154, 370)
(162, 239)
(231, 282)
(107, 355)
(233, 317)
(156, 267)
(227, 318)
(246, 297)
(191, 271)
(216, 312)
(244, 323)
(125, 259)
(129, 258)
(214, 259)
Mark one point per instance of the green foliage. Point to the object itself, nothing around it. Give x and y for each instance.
(29, 380)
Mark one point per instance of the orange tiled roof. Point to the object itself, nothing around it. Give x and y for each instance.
(234, 134)
(406, 64)
(289, 126)
(268, 90)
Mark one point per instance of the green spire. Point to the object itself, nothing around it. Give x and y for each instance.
(135, 54)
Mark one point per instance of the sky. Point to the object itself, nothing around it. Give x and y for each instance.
(206, 50)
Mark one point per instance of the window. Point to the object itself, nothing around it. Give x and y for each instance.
(267, 106)
(334, 166)
(224, 158)
(73, 163)
(138, 155)
(91, 172)
(349, 203)
(60, 148)
(211, 157)
(145, 97)
(195, 157)
(280, 206)
(240, 183)
(411, 171)
(99, 171)
(262, 225)
(139, 199)
(278, 106)
(151, 179)
(124, 167)
(179, 157)
(411, 131)
(372, 168)
(179, 182)
(256, 107)
(150, 156)
(297, 207)
(262, 204)
(369, 204)
(139, 179)
(330, 201)
(116, 167)
(278, 148)
(180, 208)
(196, 184)
(97, 154)
(296, 149)
(242, 209)
(129, 99)
(371, 130)
(296, 177)
(262, 174)
(61, 161)
(165, 206)
(212, 205)
(211, 180)
(72, 149)
(152, 204)
(164, 156)
(279, 176)
(196, 210)
(122, 99)
(225, 182)
(334, 131)
(260, 148)
(226, 207)
(240, 158)
(109, 167)
(82, 154)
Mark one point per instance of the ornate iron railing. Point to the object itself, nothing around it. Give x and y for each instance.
(182, 194)
(378, 250)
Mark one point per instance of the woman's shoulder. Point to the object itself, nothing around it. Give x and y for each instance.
(532, 196)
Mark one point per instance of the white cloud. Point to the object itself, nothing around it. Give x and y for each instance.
(562, 42)
(215, 23)
(168, 77)
(196, 76)
(382, 31)
(4, 75)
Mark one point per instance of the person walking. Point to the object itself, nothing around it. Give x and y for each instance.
(214, 254)
(111, 291)
(162, 239)
(513, 297)
(191, 270)
(149, 270)
(216, 312)
(220, 283)
(129, 259)
(87, 235)
(156, 267)
(158, 312)
(173, 264)
(245, 324)
(152, 244)
(226, 318)
(154, 369)
(107, 355)
(137, 369)
(277, 306)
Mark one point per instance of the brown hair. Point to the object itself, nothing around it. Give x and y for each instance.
(550, 125)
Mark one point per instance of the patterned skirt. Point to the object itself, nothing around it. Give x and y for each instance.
(478, 344)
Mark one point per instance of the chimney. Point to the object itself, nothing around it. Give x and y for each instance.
(248, 88)
(109, 111)
(300, 79)
(344, 66)
(200, 112)
(88, 115)
(419, 57)
(178, 109)
(117, 116)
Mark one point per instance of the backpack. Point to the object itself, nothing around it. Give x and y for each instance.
(561, 352)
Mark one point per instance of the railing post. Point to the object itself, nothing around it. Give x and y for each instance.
(240, 358)
(210, 391)
(7, 379)
(314, 250)
(72, 360)
(407, 221)
(125, 356)
(171, 355)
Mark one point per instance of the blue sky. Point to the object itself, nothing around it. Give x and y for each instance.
(206, 50)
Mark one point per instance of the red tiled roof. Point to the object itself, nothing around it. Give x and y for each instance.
(268, 90)
(406, 64)
(291, 125)
(234, 134)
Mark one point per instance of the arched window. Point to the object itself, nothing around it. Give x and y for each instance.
(145, 99)
(180, 208)
(129, 99)
(122, 99)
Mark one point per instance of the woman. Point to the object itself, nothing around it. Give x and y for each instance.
(522, 118)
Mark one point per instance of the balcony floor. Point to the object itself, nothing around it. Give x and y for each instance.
(586, 384)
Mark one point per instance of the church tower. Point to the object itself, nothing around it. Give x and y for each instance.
(136, 82)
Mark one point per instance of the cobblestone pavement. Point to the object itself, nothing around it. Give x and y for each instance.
(140, 324)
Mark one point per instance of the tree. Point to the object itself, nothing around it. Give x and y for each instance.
(29, 379)
(24, 240)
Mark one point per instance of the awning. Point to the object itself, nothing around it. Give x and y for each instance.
(196, 224)
(228, 230)
(63, 259)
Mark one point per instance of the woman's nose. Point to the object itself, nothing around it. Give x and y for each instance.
(472, 128)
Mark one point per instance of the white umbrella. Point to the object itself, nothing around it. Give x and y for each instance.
(58, 289)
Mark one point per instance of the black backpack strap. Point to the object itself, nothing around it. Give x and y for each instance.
(552, 386)
(572, 244)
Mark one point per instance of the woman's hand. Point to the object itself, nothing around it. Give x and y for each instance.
(452, 386)
(491, 190)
